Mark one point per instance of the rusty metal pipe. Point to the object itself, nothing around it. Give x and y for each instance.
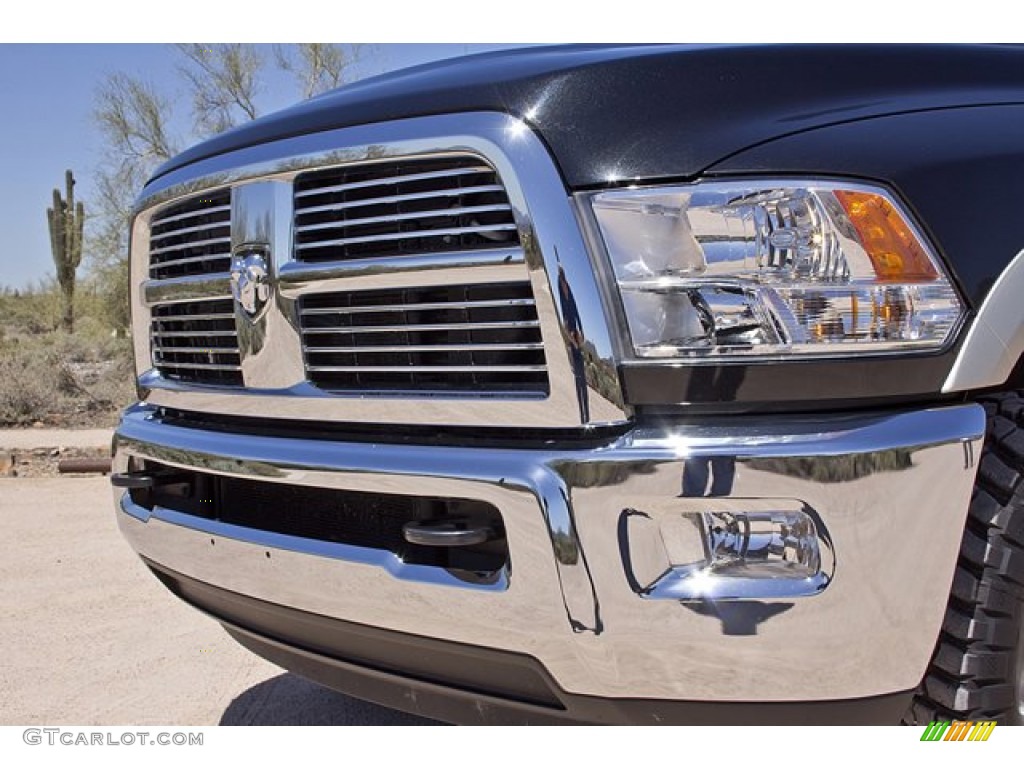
(84, 465)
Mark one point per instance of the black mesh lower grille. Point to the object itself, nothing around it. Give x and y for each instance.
(370, 520)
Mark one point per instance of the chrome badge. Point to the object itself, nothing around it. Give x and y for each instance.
(250, 282)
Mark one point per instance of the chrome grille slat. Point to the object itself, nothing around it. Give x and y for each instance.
(421, 233)
(206, 316)
(189, 334)
(162, 350)
(398, 179)
(175, 290)
(201, 366)
(428, 348)
(406, 216)
(417, 328)
(420, 307)
(185, 246)
(454, 192)
(190, 260)
(187, 230)
(190, 215)
(426, 368)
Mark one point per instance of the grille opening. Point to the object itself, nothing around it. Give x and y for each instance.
(196, 341)
(356, 518)
(458, 338)
(406, 207)
(192, 237)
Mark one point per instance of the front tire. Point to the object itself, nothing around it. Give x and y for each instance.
(977, 670)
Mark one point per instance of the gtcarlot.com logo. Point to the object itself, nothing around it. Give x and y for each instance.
(958, 730)
(72, 738)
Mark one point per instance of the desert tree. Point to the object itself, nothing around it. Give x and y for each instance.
(134, 119)
(319, 67)
(224, 80)
(224, 83)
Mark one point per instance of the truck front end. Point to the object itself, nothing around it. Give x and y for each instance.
(424, 420)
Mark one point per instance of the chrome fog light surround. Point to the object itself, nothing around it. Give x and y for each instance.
(733, 549)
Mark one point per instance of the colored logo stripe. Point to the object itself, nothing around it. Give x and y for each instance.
(958, 730)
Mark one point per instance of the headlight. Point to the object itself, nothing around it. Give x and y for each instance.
(773, 268)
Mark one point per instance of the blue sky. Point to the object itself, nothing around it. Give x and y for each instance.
(46, 126)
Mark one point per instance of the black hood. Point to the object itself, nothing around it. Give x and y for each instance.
(610, 113)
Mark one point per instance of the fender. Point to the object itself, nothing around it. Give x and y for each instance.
(995, 341)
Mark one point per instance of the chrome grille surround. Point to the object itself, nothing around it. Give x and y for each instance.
(545, 251)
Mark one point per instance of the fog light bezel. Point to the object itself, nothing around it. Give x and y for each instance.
(701, 581)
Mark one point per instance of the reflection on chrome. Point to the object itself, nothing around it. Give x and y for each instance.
(740, 617)
(839, 469)
(579, 586)
(516, 129)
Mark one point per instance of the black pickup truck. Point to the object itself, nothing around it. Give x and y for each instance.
(602, 384)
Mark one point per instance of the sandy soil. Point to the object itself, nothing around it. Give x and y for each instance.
(28, 439)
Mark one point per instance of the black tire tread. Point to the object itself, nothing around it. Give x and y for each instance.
(973, 670)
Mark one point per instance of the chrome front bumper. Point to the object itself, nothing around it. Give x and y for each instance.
(891, 489)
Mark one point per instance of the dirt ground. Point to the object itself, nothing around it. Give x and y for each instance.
(39, 452)
(89, 637)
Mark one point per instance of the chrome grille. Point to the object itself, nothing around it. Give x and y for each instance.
(405, 207)
(432, 212)
(449, 338)
(192, 237)
(196, 341)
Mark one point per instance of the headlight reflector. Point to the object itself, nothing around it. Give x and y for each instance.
(772, 268)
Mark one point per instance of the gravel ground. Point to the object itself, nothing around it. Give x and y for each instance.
(89, 637)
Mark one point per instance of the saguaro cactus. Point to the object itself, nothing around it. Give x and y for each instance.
(66, 220)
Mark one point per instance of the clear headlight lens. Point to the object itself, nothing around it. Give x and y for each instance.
(773, 268)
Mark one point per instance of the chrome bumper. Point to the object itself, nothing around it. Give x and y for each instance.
(570, 598)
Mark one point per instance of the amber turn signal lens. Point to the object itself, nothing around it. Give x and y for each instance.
(895, 252)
